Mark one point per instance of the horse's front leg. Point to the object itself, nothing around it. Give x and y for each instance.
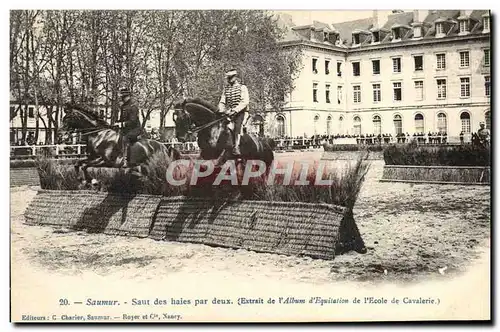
(98, 162)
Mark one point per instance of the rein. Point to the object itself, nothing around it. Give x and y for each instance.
(206, 125)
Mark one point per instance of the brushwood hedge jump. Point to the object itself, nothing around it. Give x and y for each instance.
(315, 230)
(463, 164)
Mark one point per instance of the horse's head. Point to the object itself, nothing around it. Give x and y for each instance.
(183, 122)
(79, 117)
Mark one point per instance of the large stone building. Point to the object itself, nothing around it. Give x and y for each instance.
(420, 71)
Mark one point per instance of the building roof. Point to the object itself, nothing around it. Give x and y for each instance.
(402, 20)
(345, 29)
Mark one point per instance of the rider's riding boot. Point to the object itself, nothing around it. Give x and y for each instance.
(236, 148)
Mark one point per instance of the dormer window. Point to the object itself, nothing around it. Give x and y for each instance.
(439, 30)
(325, 36)
(464, 26)
(417, 32)
(355, 39)
(486, 24)
(376, 36)
(396, 33)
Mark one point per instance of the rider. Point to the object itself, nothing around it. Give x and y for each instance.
(234, 101)
(483, 133)
(132, 125)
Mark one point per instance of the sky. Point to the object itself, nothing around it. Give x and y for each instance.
(329, 17)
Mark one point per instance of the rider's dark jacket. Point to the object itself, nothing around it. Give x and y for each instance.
(130, 116)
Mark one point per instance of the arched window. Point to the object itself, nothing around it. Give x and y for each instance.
(442, 125)
(357, 125)
(419, 123)
(487, 119)
(465, 120)
(377, 125)
(329, 125)
(280, 127)
(258, 124)
(316, 120)
(398, 124)
(341, 124)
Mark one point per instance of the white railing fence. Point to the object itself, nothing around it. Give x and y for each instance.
(75, 150)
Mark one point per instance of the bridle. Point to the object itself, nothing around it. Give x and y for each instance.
(190, 122)
(87, 131)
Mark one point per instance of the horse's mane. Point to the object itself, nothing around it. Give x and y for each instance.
(202, 102)
(201, 110)
(89, 112)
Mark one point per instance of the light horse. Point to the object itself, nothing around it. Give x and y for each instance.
(215, 141)
(105, 144)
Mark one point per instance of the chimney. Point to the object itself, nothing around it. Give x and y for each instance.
(419, 15)
(376, 23)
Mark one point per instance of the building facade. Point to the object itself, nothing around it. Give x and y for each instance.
(419, 72)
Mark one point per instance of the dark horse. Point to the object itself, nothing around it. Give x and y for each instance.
(214, 138)
(105, 145)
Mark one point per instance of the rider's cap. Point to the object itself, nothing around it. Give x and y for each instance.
(125, 92)
(231, 73)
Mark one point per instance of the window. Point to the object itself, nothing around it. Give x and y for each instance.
(325, 36)
(31, 112)
(339, 94)
(357, 125)
(487, 58)
(464, 87)
(465, 120)
(398, 94)
(396, 33)
(355, 39)
(316, 120)
(356, 93)
(356, 69)
(314, 65)
(464, 59)
(398, 124)
(280, 125)
(417, 32)
(329, 125)
(377, 97)
(376, 67)
(419, 90)
(487, 86)
(377, 125)
(439, 29)
(441, 85)
(396, 65)
(341, 124)
(315, 92)
(486, 24)
(419, 123)
(339, 69)
(487, 119)
(101, 114)
(327, 67)
(419, 62)
(327, 93)
(441, 61)
(464, 26)
(442, 126)
(376, 37)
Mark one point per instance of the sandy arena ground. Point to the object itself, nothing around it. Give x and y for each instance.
(413, 233)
